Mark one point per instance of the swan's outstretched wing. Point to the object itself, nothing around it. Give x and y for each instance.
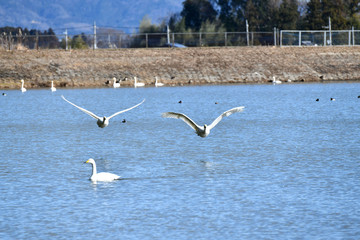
(183, 117)
(125, 110)
(82, 109)
(225, 114)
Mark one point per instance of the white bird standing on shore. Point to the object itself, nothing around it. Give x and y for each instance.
(205, 130)
(157, 83)
(136, 84)
(101, 121)
(53, 89)
(102, 176)
(116, 84)
(22, 86)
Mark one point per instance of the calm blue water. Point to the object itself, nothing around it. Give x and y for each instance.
(288, 167)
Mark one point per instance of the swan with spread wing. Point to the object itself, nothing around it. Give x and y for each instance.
(202, 131)
(102, 121)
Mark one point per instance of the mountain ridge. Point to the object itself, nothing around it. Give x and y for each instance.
(79, 16)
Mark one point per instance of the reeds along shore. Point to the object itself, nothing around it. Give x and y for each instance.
(223, 65)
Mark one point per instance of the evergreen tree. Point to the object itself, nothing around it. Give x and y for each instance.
(197, 12)
(288, 15)
(259, 15)
(353, 10)
(313, 19)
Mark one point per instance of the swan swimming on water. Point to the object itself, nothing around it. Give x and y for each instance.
(53, 89)
(116, 84)
(136, 84)
(202, 131)
(276, 81)
(102, 176)
(101, 121)
(22, 86)
(157, 83)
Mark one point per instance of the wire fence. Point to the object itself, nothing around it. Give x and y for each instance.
(198, 39)
(320, 38)
(146, 40)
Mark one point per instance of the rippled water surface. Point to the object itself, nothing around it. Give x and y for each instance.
(288, 167)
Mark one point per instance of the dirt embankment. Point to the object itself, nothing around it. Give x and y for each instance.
(88, 68)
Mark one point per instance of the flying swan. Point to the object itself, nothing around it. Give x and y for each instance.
(102, 176)
(101, 121)
(205, 130)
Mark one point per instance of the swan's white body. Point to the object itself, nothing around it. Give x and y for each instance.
(102, 176)
(157, 83)
(101, 121)
(53, 89)
(276, 81)
(115, 84)
(22, 86)
(136, 84)
(202, 131)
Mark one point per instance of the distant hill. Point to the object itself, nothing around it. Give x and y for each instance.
(79, 15)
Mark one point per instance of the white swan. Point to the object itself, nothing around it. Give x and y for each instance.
(205, 130)
(102, 176)
(276, 81)
(53, 89)
(101, 121)
(22, 86)
(136, 84)
(116, 84)
(157, 83)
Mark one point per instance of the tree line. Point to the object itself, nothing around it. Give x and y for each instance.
(213, 16)
(261, 15)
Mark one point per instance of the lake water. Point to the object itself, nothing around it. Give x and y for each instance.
(288, 167)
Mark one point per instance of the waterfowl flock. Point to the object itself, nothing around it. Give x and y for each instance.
(102, 122)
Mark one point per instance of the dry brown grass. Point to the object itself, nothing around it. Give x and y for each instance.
(88, 68)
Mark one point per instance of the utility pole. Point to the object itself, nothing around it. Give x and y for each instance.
(330, 31)
(94, 46)
(168, 34)
(66, 40)
(247, 32)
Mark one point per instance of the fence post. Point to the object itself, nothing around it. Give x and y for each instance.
(299, 38)
(173, 39)
(353, 36)
(200, 39)
(274, 36)
(225, 39)
(37, 40)
(119, 40)
(280, 38)
(9, 42)
(349, 38)
(146, 36)
(324, 38)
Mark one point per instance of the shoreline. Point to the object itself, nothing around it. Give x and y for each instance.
(178, 67)
(190, 85)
